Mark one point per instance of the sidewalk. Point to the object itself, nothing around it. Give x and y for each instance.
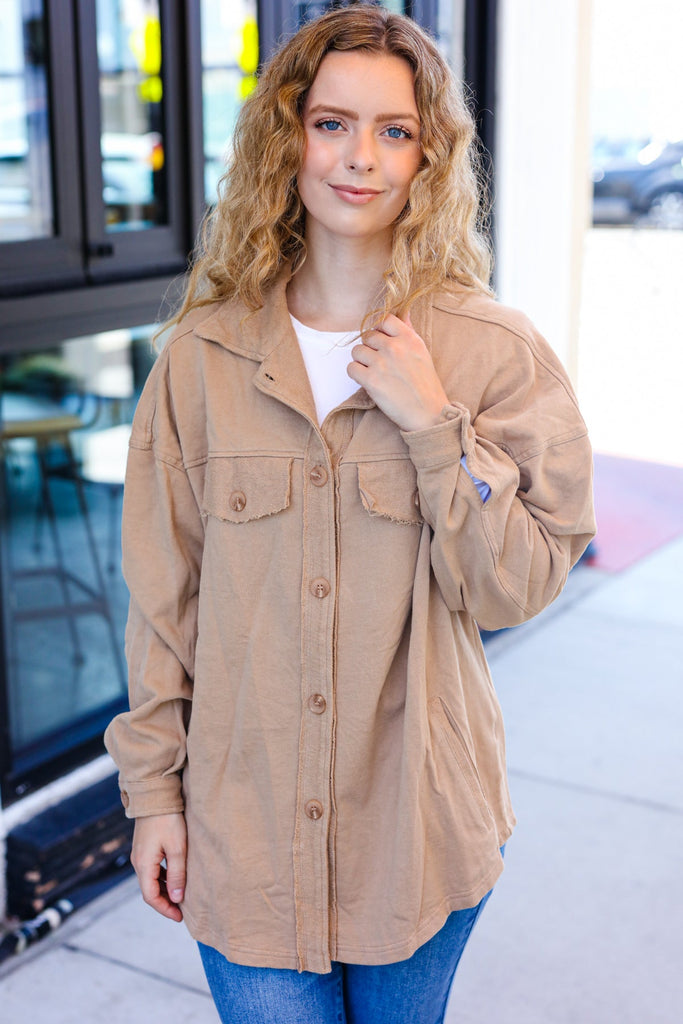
(585, 924)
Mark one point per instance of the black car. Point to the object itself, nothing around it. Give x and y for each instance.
(638, 182)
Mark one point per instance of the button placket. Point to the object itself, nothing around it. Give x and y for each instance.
(314, 810)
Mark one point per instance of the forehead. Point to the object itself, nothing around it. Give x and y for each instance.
(381, 79)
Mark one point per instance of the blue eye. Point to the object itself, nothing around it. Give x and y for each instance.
(396, 132)
(329, 124)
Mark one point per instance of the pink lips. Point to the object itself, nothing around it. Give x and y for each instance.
(351, 194)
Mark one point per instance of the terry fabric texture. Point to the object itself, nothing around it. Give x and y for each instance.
(307, 680)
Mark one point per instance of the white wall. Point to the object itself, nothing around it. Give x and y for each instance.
(542, 162)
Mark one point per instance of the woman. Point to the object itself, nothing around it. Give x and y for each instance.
(346, 459)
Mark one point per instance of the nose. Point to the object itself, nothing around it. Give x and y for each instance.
(360, 154)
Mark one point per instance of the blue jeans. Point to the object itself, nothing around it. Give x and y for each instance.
(414, 990)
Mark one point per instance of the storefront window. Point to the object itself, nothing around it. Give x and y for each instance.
(306, 10)
(26, 201)
(230, 57)
(132, 113)
(65, 417)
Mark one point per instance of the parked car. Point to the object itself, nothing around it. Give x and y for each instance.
(638, 182)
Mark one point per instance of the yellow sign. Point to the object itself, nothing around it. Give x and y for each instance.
(248, 58)
(145, 44)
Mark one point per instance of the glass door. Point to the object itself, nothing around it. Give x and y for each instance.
(132, 116)
(93, 161)
(26, 201)
(39, 210)
(230, 58)
(306, 10)
(65, 420)
(132, 147)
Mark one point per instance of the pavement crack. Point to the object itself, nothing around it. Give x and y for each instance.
(115, 962)
(605, 794)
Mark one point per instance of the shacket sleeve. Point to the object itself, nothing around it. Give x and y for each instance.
(162, 540)
(506, 559)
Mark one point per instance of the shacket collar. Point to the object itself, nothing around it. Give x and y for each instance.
(255, 334)
(251, 333)
(267, 336)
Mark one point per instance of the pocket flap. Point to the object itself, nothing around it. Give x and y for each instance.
(240, 488)
(389, 488)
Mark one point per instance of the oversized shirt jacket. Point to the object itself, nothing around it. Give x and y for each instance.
(307, 679)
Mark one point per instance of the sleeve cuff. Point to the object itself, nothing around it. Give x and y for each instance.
(153, 796)
(447, 441)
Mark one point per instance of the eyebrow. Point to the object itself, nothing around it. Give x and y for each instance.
(353, 114)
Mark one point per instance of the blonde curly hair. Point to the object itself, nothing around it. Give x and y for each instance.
(258, 223)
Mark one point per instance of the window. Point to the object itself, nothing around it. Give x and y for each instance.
(26, 200)
(230, 58)
(106, 159)
(65, 415)
(92, 168)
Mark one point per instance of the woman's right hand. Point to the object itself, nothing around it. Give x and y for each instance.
(161, 837)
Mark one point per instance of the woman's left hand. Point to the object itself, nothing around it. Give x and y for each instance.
(396, 370)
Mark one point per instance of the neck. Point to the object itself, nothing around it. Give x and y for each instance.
(339, 282)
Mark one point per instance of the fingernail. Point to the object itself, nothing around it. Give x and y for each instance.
(176, 895)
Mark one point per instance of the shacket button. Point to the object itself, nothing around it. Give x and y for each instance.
(237, 501)
(320, 587)
(314, 809)
(317, 703)
(318, 476)
(416, 499)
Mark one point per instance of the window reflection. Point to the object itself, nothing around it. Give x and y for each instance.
(132, 113)
(230, 56)
(306, 10)
(25, 176)
(65, 416)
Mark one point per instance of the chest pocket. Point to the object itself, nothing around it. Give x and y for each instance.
(241, 488)
(389, 488)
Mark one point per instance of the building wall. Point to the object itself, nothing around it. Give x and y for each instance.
(543, 186)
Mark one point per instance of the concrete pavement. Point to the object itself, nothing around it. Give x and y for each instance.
(584, 926)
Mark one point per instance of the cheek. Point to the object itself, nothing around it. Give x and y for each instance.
(406, 172)
(404, 165)
(316, 158)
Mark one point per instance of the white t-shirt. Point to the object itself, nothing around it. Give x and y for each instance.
(326, 356)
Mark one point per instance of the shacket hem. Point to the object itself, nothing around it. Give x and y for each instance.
(397, 951)
(248, 956)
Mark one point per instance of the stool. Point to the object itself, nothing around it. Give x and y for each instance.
(48, 427)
